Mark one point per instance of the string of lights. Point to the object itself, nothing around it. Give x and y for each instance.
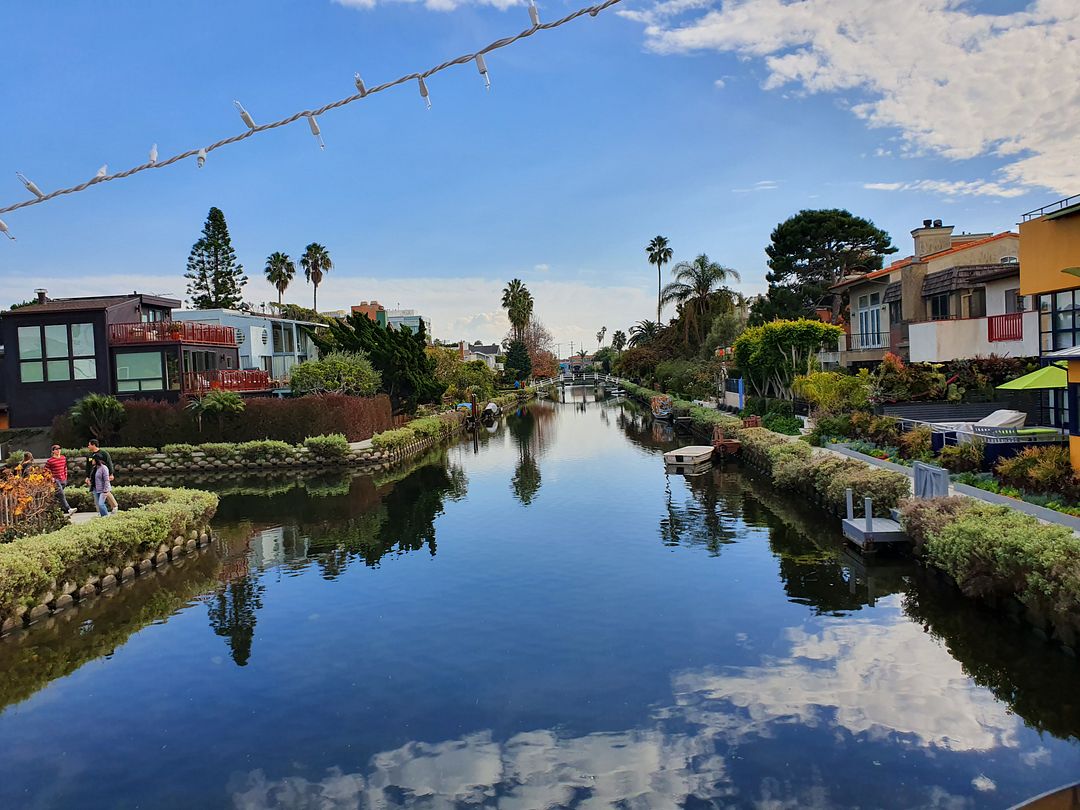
(362, 91)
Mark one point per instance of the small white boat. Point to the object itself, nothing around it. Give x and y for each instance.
(689, 470)
(694, 454)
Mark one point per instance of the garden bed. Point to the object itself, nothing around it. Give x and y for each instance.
(48, 572)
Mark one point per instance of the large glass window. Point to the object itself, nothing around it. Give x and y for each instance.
(139, 371)
(977, 304)
(284, 341)
(939, 307)
(57, 353)
(1058, 322)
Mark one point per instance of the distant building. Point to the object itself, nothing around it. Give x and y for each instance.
(489, 354)
(372, 310)
(396, 318)
(265, 342)
(131, 346)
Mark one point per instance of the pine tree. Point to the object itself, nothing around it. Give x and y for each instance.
(215, 278)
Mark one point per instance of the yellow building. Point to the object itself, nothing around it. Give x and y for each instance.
(1050, 269)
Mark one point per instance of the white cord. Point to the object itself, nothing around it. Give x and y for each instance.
(363, 92)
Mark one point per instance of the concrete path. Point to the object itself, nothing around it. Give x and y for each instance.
(80, 518)
(364, 445)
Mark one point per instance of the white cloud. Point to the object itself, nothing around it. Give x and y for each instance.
(458, 308)
(953, 81)
(952, 188)
(760, 185)
(719, 84)
(542, 268)
(432, 5)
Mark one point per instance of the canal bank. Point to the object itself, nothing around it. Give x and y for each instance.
(543, 617)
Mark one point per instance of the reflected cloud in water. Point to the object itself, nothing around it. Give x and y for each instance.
(846, 684)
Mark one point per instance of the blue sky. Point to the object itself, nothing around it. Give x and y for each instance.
(706, 122)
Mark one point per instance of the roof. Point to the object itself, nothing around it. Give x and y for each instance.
(965, 276)
(892, 293)
(478, 348)
(196, 314)
(884, 271)
(91, 304)
(1065, 354)
(969, 245)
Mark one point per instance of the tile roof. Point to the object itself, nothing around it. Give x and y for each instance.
(966, 245)
(92, 303)
(965, 276)
(884, 271)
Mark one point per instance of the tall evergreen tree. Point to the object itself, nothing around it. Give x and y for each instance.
(215, 278)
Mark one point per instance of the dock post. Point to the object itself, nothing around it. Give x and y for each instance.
(850, 504)
(868, 505)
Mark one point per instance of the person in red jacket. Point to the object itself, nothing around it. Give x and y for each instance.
(57, 466)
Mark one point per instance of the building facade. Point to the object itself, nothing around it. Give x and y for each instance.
(264, 342)
(1050, 262)
(57, 351)
(396, 318)
(372, 310)
(957, 296)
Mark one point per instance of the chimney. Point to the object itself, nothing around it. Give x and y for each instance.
(931, 237)
(42, 295)
(461, 349)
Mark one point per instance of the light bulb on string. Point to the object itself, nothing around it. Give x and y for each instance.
(534, 14)
(360, 88)
(481, 65)
(153, 153)
(245, 115)
(31, 186)
(424, 91)
(201, 157)
(4, 230)
(315, 130)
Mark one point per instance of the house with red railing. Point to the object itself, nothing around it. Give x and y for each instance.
(58, 350)
(957, 296)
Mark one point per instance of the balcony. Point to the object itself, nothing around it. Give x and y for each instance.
(1015, 334)
(140, 334)
(225, 379)
(1005, 327)
(867, 341)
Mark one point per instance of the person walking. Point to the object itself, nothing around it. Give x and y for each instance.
(99, 483)
(95, 449)
(26, 466)
(57, 466)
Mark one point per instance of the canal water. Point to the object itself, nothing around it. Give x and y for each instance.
(537, 618)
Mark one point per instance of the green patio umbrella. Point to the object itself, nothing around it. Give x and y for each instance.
(1052, 376)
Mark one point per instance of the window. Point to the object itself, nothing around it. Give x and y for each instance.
(284, 342)
(939, 307)
(1014, 301)
(57, 353)
(1058, 321)
(154, 315)
(139, 371)
(895, 313)
(977, 303)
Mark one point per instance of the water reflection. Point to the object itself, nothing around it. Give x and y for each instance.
(859, 689)
(232, 615)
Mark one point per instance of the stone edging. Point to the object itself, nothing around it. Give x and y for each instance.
(70, 593)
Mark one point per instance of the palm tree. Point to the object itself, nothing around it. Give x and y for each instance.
(618, 340)
(279, 272)
(659, 254)
(600, 336)
(642, 332)
(316, 263)
(518, 303)
(696, 287)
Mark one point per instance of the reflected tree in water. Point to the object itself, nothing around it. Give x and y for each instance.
(232, 615)
(530, 429)
(707, 516)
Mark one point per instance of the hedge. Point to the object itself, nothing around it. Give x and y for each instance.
(429, 427)
(293, 419)
(995, 551)
(32, 566)
(793, 463)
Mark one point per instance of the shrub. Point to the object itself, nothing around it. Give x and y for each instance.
(780, 423)
(1040, 469)
(218, 405)
(963, 457)
(30, 566)
(393, 439)
(831, 392)
(780, 407)
(995, 551)
(265, 450)
(886, 488)
(922, 519)
(97, 416)
(917, 442)
(349, 373)
(883, 430)
(332, 447)
(222, 450)
(180, 451)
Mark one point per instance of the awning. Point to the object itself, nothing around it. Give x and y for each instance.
(1052, 376)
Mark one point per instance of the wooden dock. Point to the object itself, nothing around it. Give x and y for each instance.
(870, 533)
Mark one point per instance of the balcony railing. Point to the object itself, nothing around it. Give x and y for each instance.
(171, 332)
(864, 341)
(1005, 327)
(225, 379)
